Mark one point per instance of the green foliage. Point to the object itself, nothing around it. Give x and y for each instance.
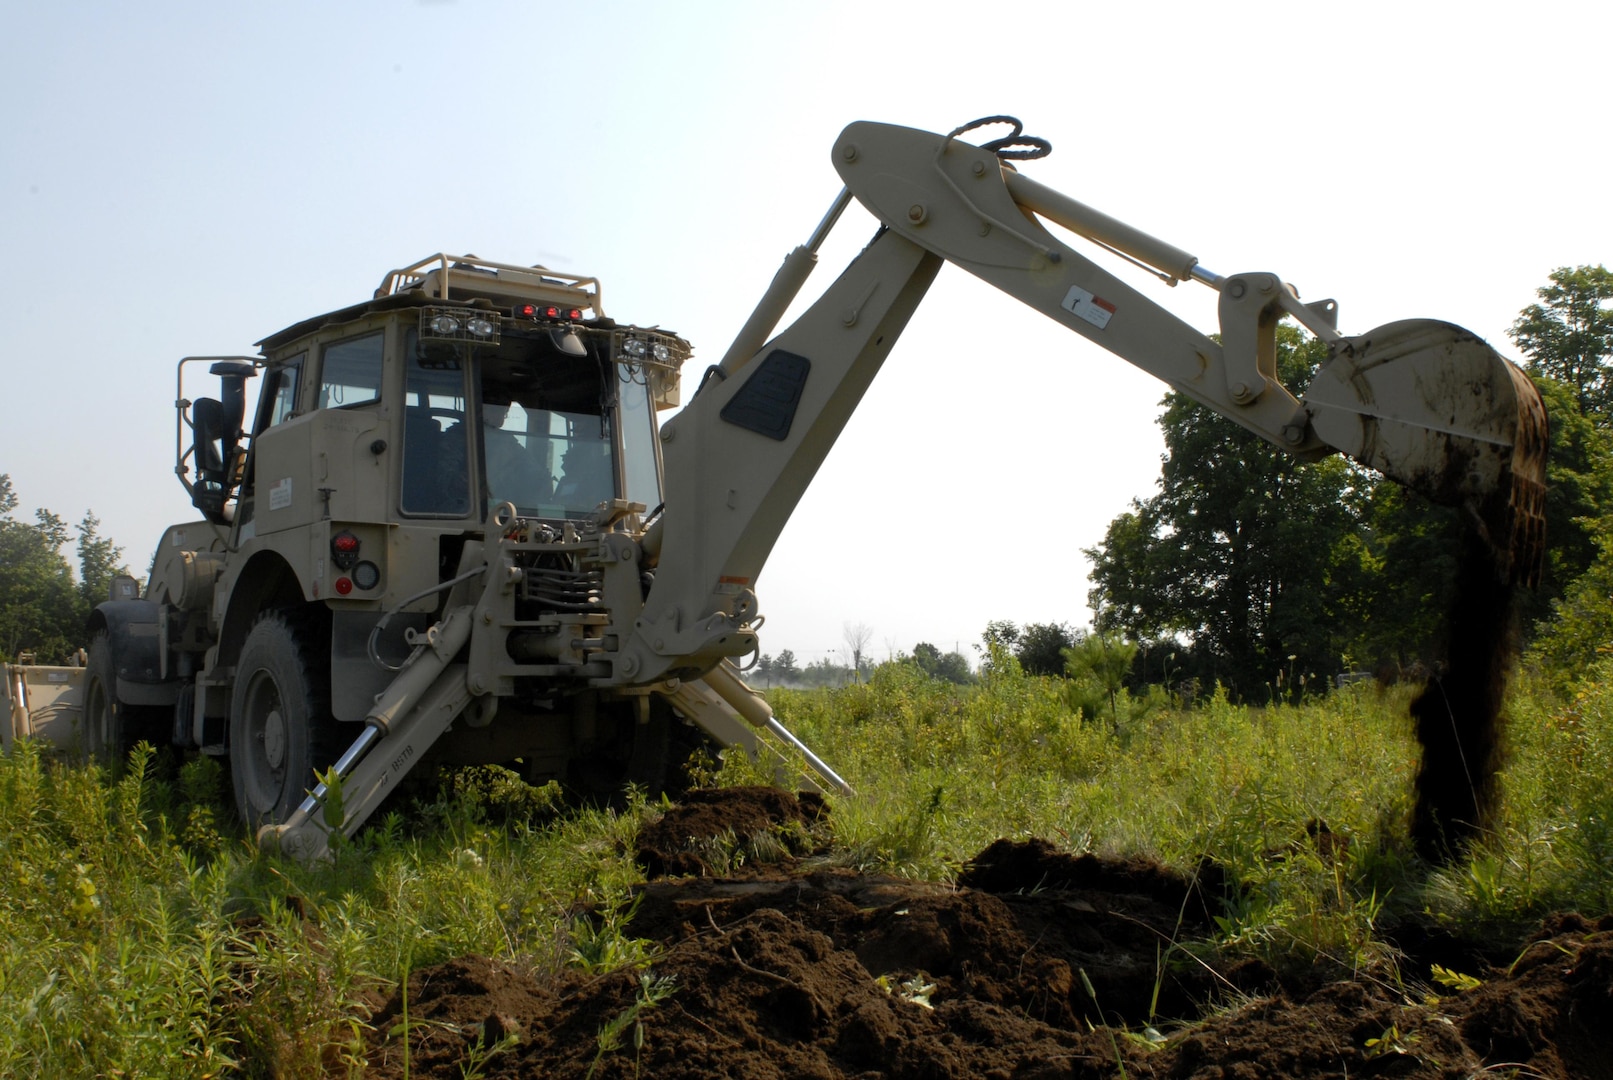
(1568, 336)
(949, 667)
(1579, 492)
(1244, 550)
(1104, 660)
(600, 945)
(43, 608)
(1304, 805)
(1455, 980)
(1581, 628)
(651, 991)
(1251, 558)
(137, 938)
(1040, 647)
(98, 561)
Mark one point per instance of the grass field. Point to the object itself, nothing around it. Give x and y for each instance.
(144, 936)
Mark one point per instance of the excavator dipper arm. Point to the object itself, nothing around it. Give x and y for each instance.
(1426, 403)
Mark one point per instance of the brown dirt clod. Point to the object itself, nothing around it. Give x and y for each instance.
(790, 971)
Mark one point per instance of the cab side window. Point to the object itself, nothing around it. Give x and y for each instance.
(288, 380)
(351, 373)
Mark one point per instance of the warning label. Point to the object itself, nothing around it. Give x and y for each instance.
(280, 494)
(1094, 309)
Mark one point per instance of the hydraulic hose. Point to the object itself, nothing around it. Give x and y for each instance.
(375, 631)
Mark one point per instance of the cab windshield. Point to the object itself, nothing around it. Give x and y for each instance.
(545, 428)
(545, 422)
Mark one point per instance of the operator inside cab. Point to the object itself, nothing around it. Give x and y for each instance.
(586, 477)
(514, 473)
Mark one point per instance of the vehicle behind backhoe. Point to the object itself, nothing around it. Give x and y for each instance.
(43, 702)
(455, 530)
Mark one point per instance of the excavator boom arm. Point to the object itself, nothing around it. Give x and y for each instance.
(1426, 403)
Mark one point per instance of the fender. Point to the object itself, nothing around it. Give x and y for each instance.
(132, 634)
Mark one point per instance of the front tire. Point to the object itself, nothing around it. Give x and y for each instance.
(281, 729)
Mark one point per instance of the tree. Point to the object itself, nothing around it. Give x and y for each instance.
(1569, 336)
(43, 608)
(40, 606)
(950, 667)
(784, 669)
(1001, 632)
(98, 561)
(1040, 647)
(1104, 659)
(1576, 638)
(1250, 554)
(826, 672)
(857, 636)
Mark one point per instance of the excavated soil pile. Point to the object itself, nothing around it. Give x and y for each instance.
(786, 970)
(706, 821)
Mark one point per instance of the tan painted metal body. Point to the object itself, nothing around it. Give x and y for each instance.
(43, 702)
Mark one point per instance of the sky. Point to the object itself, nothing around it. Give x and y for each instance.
(186, 178)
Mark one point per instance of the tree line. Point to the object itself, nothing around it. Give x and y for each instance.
(44, 604)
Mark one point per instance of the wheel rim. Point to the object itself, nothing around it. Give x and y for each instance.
(265, 749)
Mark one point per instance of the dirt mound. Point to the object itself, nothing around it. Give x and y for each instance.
(707, 821)
(1033, 865)
(1554, 1009)
(789, 972)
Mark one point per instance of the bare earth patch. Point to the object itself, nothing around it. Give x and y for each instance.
(785, 971)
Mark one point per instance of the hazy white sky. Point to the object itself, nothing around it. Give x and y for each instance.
(186, 178)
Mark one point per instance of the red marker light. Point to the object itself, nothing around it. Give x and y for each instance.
(529, 310)
(343, 586)
(344, 550)
(552, 311)
(576, 313)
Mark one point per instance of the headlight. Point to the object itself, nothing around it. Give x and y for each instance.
(635, 347)
(661, 353)
(437, 324)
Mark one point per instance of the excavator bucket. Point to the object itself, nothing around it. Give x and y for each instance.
(1435, 408)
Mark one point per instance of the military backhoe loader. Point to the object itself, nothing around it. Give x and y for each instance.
(455, 531)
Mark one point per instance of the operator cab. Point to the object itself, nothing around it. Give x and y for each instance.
(556, 425)
(513, 396)
(513, 385)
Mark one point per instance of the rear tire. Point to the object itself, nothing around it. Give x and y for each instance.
(281, 729)
(111, 727)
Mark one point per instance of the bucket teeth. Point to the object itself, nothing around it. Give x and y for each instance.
(1518, 522)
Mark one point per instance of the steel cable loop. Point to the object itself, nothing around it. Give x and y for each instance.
(1035, 146)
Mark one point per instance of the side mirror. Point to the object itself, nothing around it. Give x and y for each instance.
(207, 421)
